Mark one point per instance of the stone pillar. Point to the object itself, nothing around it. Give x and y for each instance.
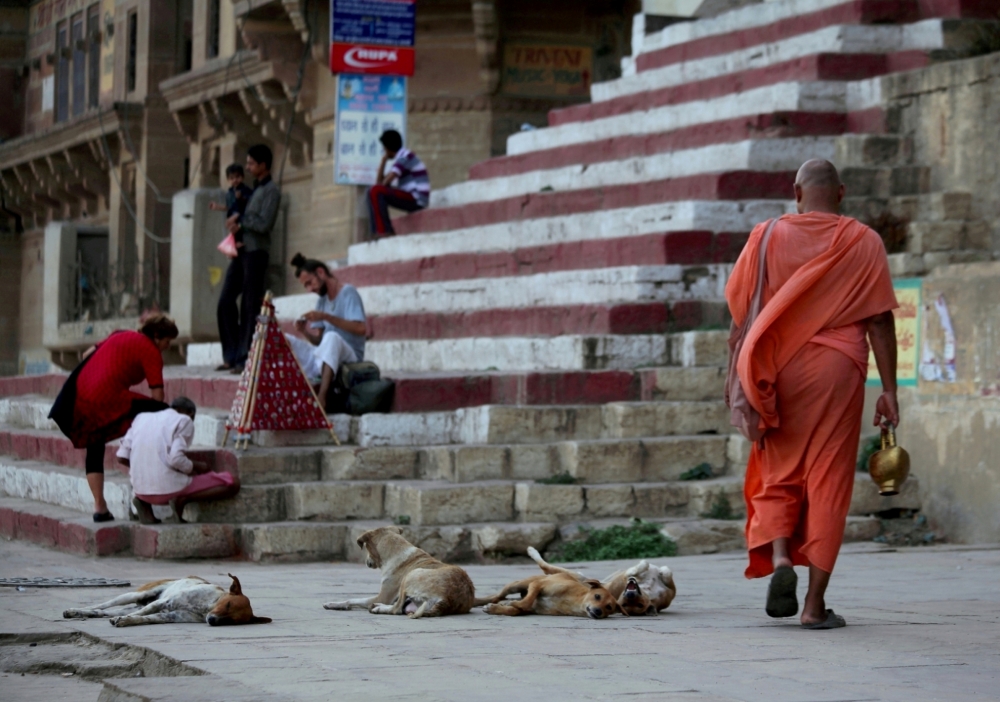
(57, 289)
(10, 286)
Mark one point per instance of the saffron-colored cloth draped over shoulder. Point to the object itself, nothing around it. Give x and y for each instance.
(802, 366)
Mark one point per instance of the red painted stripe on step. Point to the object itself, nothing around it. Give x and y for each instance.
(856, 12)
(693, 247)
(971, 9)
(48, 385)
(633, 318)
(833, 67)
(870, 121)
(733, 185)
(775, 125)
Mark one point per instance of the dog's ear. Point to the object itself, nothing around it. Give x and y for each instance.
(622, 609)
(364, 539)
(260, 620)
(235, 588)
(397, 529)
(594, 584)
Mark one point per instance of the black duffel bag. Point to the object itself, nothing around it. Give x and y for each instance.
(359, 389)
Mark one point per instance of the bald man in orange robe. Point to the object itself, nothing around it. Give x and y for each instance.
(803, 367)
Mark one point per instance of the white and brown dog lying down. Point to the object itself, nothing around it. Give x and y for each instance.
(413, 582)
(641, 589)
(187, 600)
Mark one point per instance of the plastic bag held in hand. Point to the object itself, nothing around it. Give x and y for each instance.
(228, 246)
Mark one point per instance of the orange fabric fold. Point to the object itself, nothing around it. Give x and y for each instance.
(826, 274)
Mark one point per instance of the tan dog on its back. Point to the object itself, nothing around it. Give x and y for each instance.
(413, 582)
(558, 592)
(643, 588)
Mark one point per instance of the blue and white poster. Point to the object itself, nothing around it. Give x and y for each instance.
(389, 22)
(367, 105)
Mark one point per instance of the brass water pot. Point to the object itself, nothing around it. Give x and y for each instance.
(890, 465)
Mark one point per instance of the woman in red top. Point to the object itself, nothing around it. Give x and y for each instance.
(96, 405)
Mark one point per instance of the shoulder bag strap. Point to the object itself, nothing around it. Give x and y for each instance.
(761, 272)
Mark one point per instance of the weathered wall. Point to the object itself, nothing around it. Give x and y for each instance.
(32, 258)
(952, 429)
(10, 275)
(952, 111)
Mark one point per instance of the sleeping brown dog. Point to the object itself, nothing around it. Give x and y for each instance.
(558, 592)
(413, 582)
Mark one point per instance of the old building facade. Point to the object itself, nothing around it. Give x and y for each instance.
(117, 105)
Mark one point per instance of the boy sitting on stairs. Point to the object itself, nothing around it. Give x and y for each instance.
(161, 473)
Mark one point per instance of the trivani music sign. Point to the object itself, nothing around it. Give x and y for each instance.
(907, 333)
(545, 70)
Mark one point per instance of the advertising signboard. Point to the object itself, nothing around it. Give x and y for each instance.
(907, 333)
(367, 105)
(372, 36)
(543, 70)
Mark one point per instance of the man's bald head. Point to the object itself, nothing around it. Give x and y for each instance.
(818, 187)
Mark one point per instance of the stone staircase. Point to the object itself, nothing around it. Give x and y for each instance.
(555, 324)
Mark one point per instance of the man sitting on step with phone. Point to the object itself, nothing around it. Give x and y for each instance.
(335, 331)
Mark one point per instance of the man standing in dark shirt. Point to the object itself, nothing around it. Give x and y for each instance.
(247, 272)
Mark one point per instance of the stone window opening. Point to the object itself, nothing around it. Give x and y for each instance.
(94, 55)
(214, 29)
(62, 72)
(79, 85)
(133, 39)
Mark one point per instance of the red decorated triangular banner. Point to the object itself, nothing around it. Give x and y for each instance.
(274, 393)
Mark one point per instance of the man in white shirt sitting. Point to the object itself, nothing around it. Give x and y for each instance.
(161, 473)
(334, 331)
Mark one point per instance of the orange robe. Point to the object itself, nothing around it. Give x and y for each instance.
(803, 367)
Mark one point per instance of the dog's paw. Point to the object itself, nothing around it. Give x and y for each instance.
(72, 614)
(115, 621)
(491, 608)
(342, 606)
(381, 609)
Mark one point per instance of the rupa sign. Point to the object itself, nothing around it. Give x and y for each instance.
(372, 36)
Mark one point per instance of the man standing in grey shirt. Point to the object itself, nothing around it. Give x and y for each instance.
(334, 331)
(247, 272)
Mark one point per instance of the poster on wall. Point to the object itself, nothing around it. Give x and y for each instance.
(367, 105)
(373, 36)
(542, 70)
(908, 294)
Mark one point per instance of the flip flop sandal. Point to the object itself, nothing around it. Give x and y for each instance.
(832, 621)
(781, 599)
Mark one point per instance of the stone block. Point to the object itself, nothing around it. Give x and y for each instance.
(703, 495)
(699, 348)
(185, 541)
(866, 500)
(868, 150)
(534, 462)
(737, 455)
(627, 420)
(266, 467)
(535, 502)
(521, 424)
(678, 384)
(867, 180)
(609, 500)
(254, 503)
(450, 544)
(910, 180)
(406, 429)
(862, 528)
(511, 539)
(602, 461)
(922, 237)
(946, 205)
(305, 437)
(903, 265)
(293, 542)
(334, 501)
(653, 500)
(473, 463)
(666, 458)
(978, 235)
(435, 504)
(375, 463)
(706, 536)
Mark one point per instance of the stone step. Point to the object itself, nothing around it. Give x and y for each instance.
(62, 528)
(726, 185)
(683, 218)
(62, 486)
(904, 265)
(594, 286)
(949, 235)
(861, 43)
(929, 207)
(429, 392)
(758, 155)
(651, 116)
(886, 181)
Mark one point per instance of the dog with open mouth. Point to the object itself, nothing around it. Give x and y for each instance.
(643, 588)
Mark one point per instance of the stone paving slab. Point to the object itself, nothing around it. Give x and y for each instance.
(922, 625)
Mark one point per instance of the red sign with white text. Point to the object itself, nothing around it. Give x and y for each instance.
(371, 59)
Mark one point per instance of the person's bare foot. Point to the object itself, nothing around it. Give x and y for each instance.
(145, 511)
(813, 611)
(178, 506)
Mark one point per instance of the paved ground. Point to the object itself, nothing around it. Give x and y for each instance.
(924, 624)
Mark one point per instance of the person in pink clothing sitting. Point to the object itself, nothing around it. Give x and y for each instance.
(154, 449)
